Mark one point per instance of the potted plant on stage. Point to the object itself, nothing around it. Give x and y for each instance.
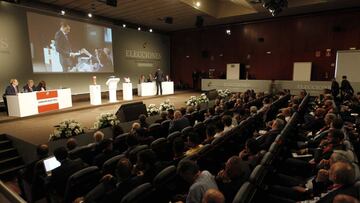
(152, 110)
(106, 120)
(66, 129)
(223, 93)
(192, 101)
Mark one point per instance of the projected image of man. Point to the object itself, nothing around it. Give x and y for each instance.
(63, 46)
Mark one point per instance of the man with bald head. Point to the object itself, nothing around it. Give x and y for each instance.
(342, 174)
(213, 196)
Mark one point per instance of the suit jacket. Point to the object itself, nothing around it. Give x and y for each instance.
(26, 88)
(10, 90)
(178, 125)
(159, 75)
(346, 190)
(60, 175)
(268, 139)
(62, 44)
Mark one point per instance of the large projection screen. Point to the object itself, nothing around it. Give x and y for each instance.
(348, 63)
(60, 45)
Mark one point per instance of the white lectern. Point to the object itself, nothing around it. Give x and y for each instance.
(127, 91)
(112, 84)
(95, 94)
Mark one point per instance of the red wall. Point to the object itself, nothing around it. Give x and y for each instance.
(290, 39)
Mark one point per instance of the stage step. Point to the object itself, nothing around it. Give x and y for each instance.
(10, 173)
(10, 160)
(5, 144)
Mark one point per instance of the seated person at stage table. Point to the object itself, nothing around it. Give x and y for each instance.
(41, 86)
(29, 87)
(151, 78)
(142, 79)
(12, 89)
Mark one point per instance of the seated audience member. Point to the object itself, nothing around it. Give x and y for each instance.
(116, 131)
(41, 86)
(106, 147)
(147, 166)
(29, 87)
(178, 148)
(142, 121)
(227, 121)
(163, 118)
(342, 175)
(218, 110)
(135, 126)
(210, 113)
(200, 181)
(179, 122)
(345, 199)
(170, 115)
(210, 133)
(213, 196)
(131, 142)
(36, 168)
(266, 105)
(71, 144)
(268, 138)
(113, 189)
(230, 179)
(219, 127)
(286, 112)
(60, 175)
(183, 111)
(98, 137)
(194, 143)
(238, 104)
(316, 122)
(189, 110)
(253, 110)
(251, 152)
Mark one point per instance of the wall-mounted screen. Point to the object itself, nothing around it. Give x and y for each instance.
(60, 45)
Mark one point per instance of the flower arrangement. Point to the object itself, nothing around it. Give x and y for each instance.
(223, 93)
(166, 105)
(192, 101)
(66, 129)
(203, 99)
(106, 120)
(152, 110)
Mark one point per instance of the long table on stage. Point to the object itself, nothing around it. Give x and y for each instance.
(32, 103)
(149, 88)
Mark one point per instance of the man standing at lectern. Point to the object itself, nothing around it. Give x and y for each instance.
(159, 78)
(12, 89)
(63, 46)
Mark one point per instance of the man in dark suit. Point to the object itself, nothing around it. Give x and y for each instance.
(267, 139)
(180, 122)
(29, 87)
(346, 89)
(61, 174)
(159, 78)
(12, 89)
(63, 46)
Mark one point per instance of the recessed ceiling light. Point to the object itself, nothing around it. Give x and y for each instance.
(139, 28)
(62, 12)
(198, 4)
(90, 15)
(150, 30)
(124, 25)
(228, 31)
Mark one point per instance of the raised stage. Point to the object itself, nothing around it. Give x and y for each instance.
(36, 129)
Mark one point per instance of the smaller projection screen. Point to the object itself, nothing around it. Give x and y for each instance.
(60, 45)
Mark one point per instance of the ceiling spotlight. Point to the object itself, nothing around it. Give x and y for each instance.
(198, 4)
(228, 31)
(124, 25)
(90, 15)
(275, 6)
(150, 30)
(139, 28)
(62, 12)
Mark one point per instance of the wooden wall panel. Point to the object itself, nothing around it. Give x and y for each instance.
(289, 39)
